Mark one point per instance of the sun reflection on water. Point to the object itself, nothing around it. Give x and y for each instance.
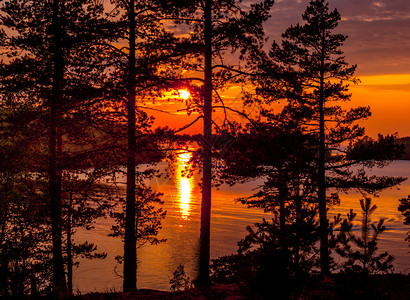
(185, 185)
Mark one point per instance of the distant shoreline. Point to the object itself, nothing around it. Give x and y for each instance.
(406, 142)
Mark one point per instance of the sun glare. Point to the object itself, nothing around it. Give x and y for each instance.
(184, 94)
(184, 156)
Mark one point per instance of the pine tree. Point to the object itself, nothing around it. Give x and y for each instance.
(84, 200)
(275, 149)
(42, 48)
(24, 232)
(309, 72)
(314, 52)
(139, 55)
(404, 208)
(362, 257)
(212, 24)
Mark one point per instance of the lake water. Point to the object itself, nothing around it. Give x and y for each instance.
(229, 219)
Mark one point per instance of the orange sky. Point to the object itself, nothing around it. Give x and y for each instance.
(389, 99)
(378, 42)
(387, 95)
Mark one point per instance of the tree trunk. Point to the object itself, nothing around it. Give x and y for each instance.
(283, 193)
(33, 287)
(130, 252)
(69, 248)
(324, 243)
(298, 209)
(365, 233)
(4, 269)
(204, 254)
(58, 283)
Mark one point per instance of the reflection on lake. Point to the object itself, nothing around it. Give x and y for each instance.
(229, 219)
(184, 183)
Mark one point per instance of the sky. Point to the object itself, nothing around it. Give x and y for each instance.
(378, 31)
(378, 43)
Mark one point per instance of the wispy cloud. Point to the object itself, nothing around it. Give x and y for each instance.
(378, 30)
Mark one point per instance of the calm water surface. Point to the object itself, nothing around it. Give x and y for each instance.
(229, 219)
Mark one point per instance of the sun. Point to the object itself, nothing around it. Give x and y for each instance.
(184, 94)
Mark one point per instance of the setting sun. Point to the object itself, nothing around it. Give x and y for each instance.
(184, 94)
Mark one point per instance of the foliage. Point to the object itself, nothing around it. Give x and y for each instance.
(299, 150)
(148, 216)
(139, 57)
(180, 281)
(404, 208)
(24, 226)
(259, 273)
(210, 24)
(25, 205)
(24, 236)
(361, 252)
(293, 71)
(28, 68)
(48, 68)
(85, 199)
(109, 64)
(227, 17)
(277, 151)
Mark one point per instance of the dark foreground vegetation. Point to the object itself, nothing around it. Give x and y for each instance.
(78, 79)
(379, 287)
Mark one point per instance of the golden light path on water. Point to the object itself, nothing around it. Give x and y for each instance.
(185, 184)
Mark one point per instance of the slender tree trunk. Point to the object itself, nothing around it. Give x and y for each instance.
(130, 252)
(15, 282)
(282, 218)
(59, 285)
(298, 208)
(33, 286)
(204, 252)
(4, 256)
(22, 276)
(365, 231)
(324, 243)
(4, 269)
(69, 248)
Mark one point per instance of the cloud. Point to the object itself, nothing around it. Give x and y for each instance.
(372, 10)
(378, 30)
(397, 83)
(388, 87)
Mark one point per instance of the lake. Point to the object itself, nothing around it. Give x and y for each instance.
(229, 219)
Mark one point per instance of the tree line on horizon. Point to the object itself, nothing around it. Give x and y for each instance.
(76, 77)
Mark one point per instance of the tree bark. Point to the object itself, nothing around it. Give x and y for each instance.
(59, 285)
(204, 254)
(69, 247)
(130, 252)
(298, 208)
(324, 243)
(283, 194)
